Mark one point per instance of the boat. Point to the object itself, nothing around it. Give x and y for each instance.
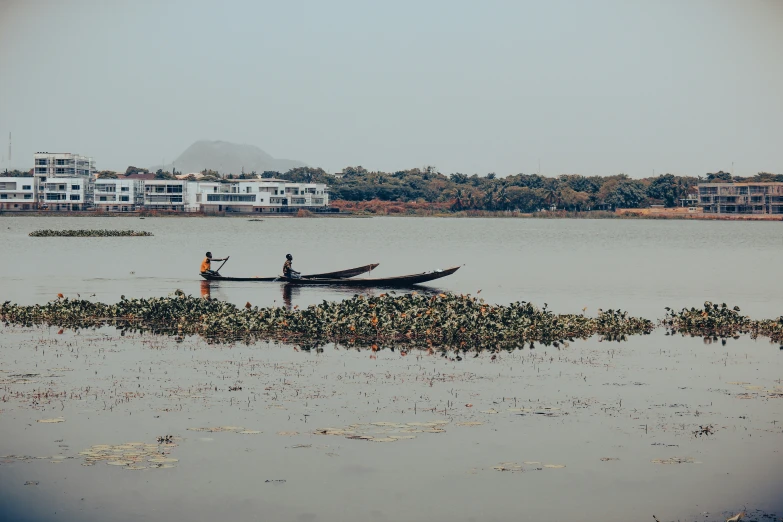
(398, 281)
(338, 275)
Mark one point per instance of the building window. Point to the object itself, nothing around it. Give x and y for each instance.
(75, 187)
(26, 187)
(28, 196)
(40, 161)
(124, 198)
(3, 196)
(125, 189)
(74, 197)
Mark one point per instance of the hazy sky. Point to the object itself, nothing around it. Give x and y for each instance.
(590, 87)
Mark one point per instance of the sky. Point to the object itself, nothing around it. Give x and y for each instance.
(593, 87)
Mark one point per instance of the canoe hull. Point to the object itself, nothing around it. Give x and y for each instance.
(388, 282)
(340, 274)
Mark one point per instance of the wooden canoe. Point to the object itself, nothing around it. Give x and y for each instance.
(338, 275)
(398, 281)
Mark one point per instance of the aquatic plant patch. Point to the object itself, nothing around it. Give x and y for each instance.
(130, 455)
(89, 233)
(385, 431)
(721, 321)
(444, 321)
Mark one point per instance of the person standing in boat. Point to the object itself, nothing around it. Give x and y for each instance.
(288, 270)
(206, 265)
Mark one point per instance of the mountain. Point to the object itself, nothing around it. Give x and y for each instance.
(227, 158)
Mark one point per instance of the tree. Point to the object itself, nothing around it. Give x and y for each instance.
(135, 170)
(17, 173)
(627, 193)
(268, 174)
(668, 188)
(719, 177)
(573, 200)
(106, 174)
(458, 178)
(525, 199)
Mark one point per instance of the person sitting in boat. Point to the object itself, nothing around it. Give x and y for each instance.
(288, 270)
(206, 265)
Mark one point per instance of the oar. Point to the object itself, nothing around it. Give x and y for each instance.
(221, 266)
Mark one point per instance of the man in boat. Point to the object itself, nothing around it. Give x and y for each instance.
(206, 265)
(288, 270)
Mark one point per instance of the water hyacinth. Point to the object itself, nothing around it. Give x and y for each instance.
(714, 321)
(442, 321)
(89, 233)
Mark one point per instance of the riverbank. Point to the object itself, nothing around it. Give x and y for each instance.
(652, 214)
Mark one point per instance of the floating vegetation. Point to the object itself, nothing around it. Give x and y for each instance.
(720, 321)
(444, 321)
(676, 460)
(385, 431)
(509, 466)
(229, 429)
(131, 456)
(89, 233)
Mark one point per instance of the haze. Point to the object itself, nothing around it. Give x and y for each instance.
(598, 87)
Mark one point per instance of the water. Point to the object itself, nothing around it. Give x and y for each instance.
(640, 266)
(636, 401)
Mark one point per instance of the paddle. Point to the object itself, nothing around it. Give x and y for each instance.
(221, 265)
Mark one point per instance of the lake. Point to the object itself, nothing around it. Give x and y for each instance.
(658, 425)
(638, 265)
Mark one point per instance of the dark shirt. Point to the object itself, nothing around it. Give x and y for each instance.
(287, 267)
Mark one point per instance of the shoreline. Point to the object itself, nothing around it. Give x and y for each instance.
(638, 214)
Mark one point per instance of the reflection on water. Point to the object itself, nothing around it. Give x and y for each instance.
(591, 422)
(205, 289)
(289, 291)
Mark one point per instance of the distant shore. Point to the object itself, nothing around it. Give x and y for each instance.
(597, 214)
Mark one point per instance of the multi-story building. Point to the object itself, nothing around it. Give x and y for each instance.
(264, 195)
(17, 193)
(741, 198)
(61, 164)
(118, 195)
(165, 194)
(66, 193)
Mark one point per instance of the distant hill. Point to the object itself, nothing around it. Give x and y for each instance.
(227, 158)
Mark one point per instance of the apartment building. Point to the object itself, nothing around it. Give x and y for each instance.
(63, 164)
(64, 182)
(262, 195)
(66, 193)
(118, 195)
(165, 194)
(741, 198)
(17, 193)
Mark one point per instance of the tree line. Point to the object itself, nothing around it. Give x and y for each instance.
(518, 192)
(458, 191)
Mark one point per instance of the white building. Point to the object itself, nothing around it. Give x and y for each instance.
(165, 194)
(17, 193)
(259, 195)
(63, 164)
(66, 193)
(118, 195)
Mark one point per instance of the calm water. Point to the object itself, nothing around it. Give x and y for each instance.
(627, 403)
(640, 266)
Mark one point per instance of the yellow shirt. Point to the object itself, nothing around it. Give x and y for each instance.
(206, 264)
